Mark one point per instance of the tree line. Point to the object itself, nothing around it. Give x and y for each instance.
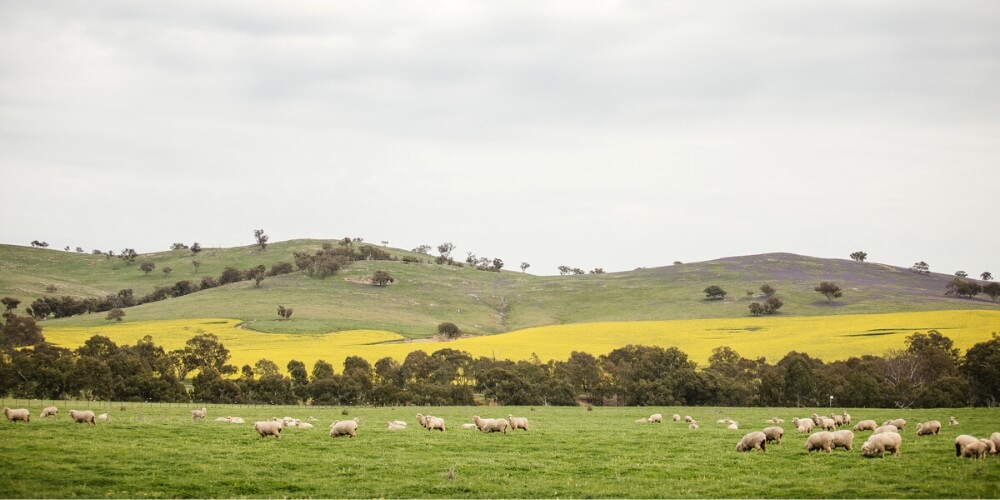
(928, 372)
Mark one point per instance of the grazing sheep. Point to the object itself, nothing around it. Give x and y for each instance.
(803, 425)
(312, 418)
(753, 441)
(522, 422)
(838, 420)
(995, 437)
(676, 417)
(886, 428)
(774, 434)
(422, 420)
(104, 417)
(490, 424)
(688, 419)
(393, 426)
(733, 426)
(866, 425)
(847, 418)
(931, 427)
(432, 423)
(828, 424)
(952, 421)
(268, 428)
(289, 422)
(977, 449)
(344, 428)
(82, 417)
(18, 414)
(899, 423)
(843, 439)
(231, 420)
(199, 414)
(469, 426)
(304, 425)
(641, 421)
(726, 421)
(50, 411)
(961, 441)
(822, 440)
(878, 444)
(401, 423)
(655, 418)
(775, 421)
(693, 425)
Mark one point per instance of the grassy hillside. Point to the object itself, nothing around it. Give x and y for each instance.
(427, 294)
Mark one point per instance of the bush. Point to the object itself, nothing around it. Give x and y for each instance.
(715, 292)
(449, 330)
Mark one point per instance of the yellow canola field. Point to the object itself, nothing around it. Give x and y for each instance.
(829, 338)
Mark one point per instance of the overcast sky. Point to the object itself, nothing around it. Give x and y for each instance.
(592, 134)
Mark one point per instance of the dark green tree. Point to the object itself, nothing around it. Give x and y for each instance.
(829, 290)
(715, 292)
(382, 278)
(146, 267)
(859, 256)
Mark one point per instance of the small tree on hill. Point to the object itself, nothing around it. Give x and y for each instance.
(147, 267)
(261, 238)
(284, 312)
(196, 265)
(992, 290)
(167, 271)
(115, 314)
(961, 274)
(829, 290)
(256, 274)
(449, 330)
(986, 276)
(128, 255)
(859, 256)
(921, 267)
(195, 248)
(963, 288)
(715, 292)
(525, 266)
(767, 290)
(382, 278)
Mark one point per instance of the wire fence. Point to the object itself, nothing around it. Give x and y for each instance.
(39, 404)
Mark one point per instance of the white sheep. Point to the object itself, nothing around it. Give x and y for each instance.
(756, 440)
(641, 421)
(21, 414)
(490, 424)
(104, 417)
(82, 417)
(878, 444)
(432, 423)
(803, 425)
(469, 426)
(50, 411)
(393, 426)
(827, 423)
(344, 428)
(688, 419)
(822, 440)
(900, 423)
(655, 418)
(838, 420)
(231, 420)
(199, 414)
(931, 427)
(961, 441)
(886, 428)
(733, 426)
(952, 421)
(995, 437)
(725, 421)
(268, 428)
(400, 423)
(866, 425)
(775, 420)
(693, 425)
(422, 420)
(304, 425)
(847, 418)
(977, 449)
(774, 434)
(843, 439)
(522, 422)
(676, 417)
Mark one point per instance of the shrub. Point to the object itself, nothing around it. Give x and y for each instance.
(449, 330)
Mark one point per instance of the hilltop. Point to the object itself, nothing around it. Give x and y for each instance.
(425, 294)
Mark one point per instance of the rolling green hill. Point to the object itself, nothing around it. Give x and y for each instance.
(426, 294)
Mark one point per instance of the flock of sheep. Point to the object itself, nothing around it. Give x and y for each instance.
(885, 438)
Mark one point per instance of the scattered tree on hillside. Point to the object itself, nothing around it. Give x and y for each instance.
(9, 304)
(767, 290)
(715, 292)
(195, 248)
(921, 267)
(448, 330)
(178, 246)
(256, 274)
(382, 278)
(564, 270)
(770, 306)
(230, 275)
(196, 264)
(281, 268)
(961, 274)
(385, 243)
(115, 314)
(829, 290)
(986, 276)
(756, 308)
(963, 288)
(424, 249)
(79, 249)
(597, 270)
(992, 290)
(146, 267)
(261, 238)
(36, 243)
(167, 271)
(859, 256)
(445, 250)
(128, 255)
(525, 266)
(284, 312)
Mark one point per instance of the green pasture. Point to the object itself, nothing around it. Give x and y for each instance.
(156, 450)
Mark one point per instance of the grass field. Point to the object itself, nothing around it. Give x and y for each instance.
(152, 450)
(829, 338)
